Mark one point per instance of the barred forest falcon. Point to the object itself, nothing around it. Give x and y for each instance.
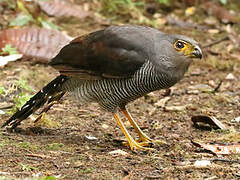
(113, 67)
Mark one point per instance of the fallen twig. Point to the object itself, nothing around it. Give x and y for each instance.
(6, 107)
(218, 86)
(39, 156)
(153, 177)
(216, 42)
(225, 160)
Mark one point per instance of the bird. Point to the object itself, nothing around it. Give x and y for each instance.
(113, 67)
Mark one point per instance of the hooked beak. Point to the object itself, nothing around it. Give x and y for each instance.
(197, 52)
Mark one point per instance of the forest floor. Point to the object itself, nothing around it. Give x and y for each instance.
(78, 142)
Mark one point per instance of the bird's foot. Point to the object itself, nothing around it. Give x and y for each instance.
(144, 140)
(137, 146)
(143, 143)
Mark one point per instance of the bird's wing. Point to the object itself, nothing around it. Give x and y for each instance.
(115, 52)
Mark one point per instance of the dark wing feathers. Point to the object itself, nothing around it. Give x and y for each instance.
(115, 52)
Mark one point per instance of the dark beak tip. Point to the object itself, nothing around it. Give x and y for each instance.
(198, 53)
(200, 56)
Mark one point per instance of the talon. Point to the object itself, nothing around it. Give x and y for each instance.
(130, 141)
(138, 146)
(150, 141)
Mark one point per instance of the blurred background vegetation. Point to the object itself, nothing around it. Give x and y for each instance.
(203, 19)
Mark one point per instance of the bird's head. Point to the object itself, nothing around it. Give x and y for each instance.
(178, 48)
(176, 53)
(185, 46)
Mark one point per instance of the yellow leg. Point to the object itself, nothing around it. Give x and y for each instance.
(132, 143)
(144, 140)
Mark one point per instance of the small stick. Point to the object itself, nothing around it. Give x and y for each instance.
(225, 160)
(218, 86)
(216, 42)
(153, 177)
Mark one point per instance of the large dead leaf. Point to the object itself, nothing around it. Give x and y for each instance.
(210, 120)
(220, 148)
(43, 44)
(62, 8)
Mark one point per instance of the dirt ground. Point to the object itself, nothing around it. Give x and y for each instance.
(77, 143)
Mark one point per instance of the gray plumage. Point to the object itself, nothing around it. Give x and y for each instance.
(114, 93)
(115, 66)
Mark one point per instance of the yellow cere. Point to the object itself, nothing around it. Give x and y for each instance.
(187, 48)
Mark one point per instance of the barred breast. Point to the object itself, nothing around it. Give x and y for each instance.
(114, 93)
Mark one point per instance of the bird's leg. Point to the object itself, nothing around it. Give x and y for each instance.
(144, 140)
(132, 143)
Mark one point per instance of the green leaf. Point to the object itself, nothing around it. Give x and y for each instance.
(27, 167)
(21, 20)
(22, 8)
(21, 99)
(22, 83)
(2, 90)
(9, 50)
(47, 178)
(6, 178)
(166, 2)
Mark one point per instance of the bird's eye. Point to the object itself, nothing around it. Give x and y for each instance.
(179, 45)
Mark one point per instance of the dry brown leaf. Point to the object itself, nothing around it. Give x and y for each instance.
(201, 88)
(219, 149)
(211, 120)
(62, 8)
(78, 164)
(118, 152)
(235, 56)
(174, 108)
(162, 102)
(35, 42)
(105, 126)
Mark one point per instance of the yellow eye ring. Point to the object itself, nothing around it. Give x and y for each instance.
(179, 45)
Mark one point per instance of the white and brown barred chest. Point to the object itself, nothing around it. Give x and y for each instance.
(112, 93)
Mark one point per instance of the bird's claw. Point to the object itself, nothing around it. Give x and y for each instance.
(150, 141)
(138, 146)
(143, 143)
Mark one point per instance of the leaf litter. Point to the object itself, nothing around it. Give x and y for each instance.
(43, 44)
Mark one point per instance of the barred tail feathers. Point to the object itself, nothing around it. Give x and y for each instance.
(47, 94)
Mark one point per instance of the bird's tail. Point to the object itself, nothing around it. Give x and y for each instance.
(51, 92)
